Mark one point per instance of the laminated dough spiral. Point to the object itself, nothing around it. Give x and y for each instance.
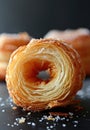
(60, 61)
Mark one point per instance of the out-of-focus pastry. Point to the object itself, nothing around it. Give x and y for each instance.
(9, 43)
(58, 60)
(79, 39)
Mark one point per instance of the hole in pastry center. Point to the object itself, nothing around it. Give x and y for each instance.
(37, 71)
(43, 75)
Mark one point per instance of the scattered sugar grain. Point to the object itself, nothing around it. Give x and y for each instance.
(29, 113)
(8, 124)
(63, 118)
(3, 110)
(57, 118)
(12, 125)
(33, 124)
(29, 123)
(17, 119)
(15, 123)
(40, 120)
(47, 127)
(47, 123)
(11, 104)
(75, 125)
(51, 126)
(63, 125)
(76, 122)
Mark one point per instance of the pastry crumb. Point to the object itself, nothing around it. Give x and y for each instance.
(14, 108)
(29, 113)
(22, 120)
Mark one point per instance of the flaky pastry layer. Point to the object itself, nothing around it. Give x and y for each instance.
(62, 64)
(79, 39)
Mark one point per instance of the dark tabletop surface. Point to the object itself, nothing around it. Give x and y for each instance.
(15, 118)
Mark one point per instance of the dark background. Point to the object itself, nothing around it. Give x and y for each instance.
(37, 17)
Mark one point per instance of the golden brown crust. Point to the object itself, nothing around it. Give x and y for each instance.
(82, 45)
(63, 65)
(79, 39)
(9, 43)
